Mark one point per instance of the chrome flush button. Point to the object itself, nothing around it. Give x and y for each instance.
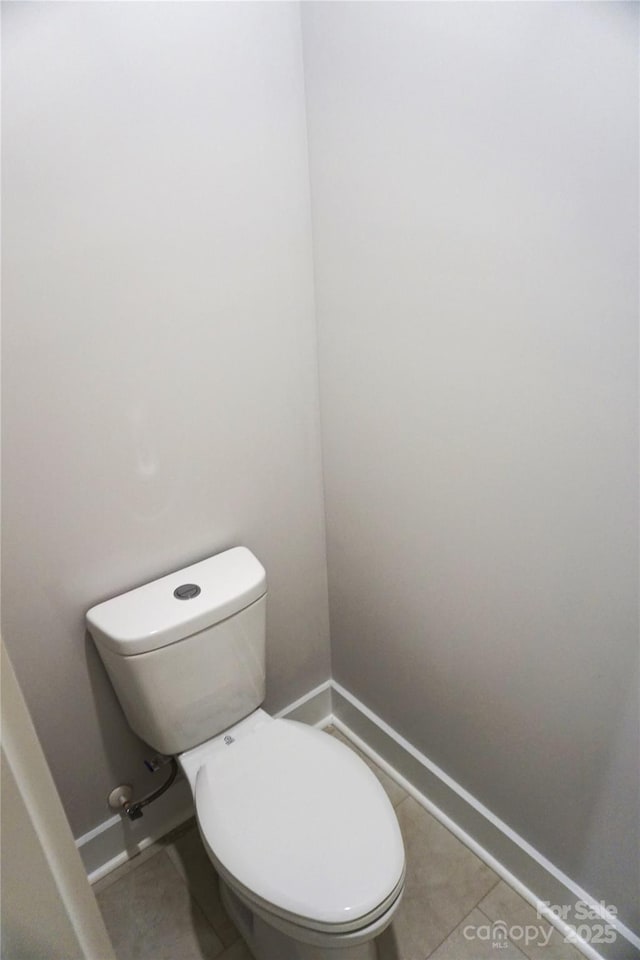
(186, 591)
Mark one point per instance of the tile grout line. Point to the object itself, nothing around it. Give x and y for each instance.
(469, 912)
(541, 922)
(475, 905)
(446, 936)
(466, 916)
(484, 895)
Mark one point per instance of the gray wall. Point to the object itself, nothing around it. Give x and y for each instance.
(159, 344)
(474, 175)
(48, 910)
(474, 179)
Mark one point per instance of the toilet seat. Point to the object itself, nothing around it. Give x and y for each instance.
(300, 826)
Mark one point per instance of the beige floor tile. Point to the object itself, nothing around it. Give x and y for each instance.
(445, 881)
(393, 790)
(542, 943)
(126, 868)
(150, 915)
(178, 831)
(140, 858)
(475, 938)
(387, 945)
(190, 858)
(239, 951)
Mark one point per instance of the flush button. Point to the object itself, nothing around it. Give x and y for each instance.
(186, 591)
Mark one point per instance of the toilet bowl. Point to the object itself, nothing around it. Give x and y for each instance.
(303, 837)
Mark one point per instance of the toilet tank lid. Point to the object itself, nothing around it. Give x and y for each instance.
(154, 615)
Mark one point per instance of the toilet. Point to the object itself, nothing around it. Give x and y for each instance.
(302, 835)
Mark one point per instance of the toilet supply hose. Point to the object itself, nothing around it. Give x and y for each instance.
(133, 808)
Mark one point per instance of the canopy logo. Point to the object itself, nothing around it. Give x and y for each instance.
(500, 934)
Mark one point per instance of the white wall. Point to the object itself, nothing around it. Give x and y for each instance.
(474, 179)
(48, 910)
(160, 376)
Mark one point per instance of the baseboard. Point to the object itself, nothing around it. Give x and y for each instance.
(313, 708)
(531, 874)
(116, 840)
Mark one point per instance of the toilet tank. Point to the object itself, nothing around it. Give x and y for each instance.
(186, 653)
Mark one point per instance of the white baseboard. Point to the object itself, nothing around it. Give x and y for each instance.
(531, 874)
(313, 708)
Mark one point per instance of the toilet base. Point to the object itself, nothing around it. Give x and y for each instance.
(267, 943)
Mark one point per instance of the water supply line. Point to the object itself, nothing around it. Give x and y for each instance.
(121, 796)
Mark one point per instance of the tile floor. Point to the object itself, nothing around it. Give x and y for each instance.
(164, 904)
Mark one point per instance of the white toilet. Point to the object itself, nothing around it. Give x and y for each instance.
(303, 837)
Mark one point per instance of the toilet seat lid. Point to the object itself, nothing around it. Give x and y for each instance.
(301, 823)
